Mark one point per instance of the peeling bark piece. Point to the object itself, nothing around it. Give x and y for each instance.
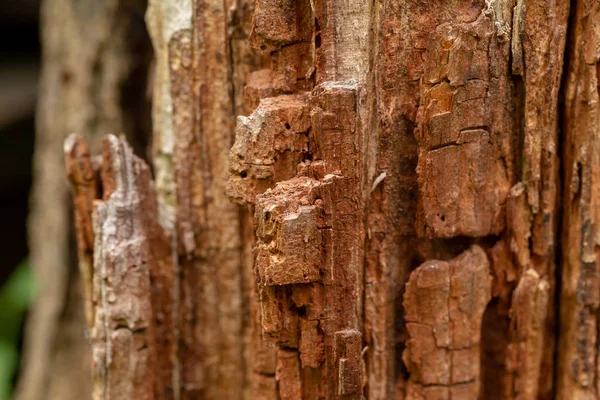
(506, 275)
(279, 23)
(94, 66)
(286, 221)
(519, 225)
(541, 29)
(209, 229)
(269, 145)
(525, 352)
(279, 318)
(131, 337)
(462, 179)
(444, 303)
(347, 352)
(462, 193)
(334, 136)
(84, 182)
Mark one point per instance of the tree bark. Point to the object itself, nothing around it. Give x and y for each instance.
(378, 199)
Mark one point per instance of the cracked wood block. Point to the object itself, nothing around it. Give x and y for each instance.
(132, 334)
(444, 303)
(279, 318)
(347, 349)
(287, 219)
(84, 181)
(280, 23)
(285, 31)
(463, 180)
(269, 145)
(308, 250)
(525, 352)
(462, 194)
(334, 127)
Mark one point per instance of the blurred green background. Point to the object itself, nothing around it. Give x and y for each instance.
(19, 66)
(16, 294)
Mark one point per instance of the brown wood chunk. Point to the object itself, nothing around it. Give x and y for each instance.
(289, 248)
(463, 181)
(132, 335)
(444, 304)
(269, 145)
(347, 350)
(278, 23)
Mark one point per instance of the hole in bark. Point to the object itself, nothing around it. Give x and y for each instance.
(243, 174)
(135, 99)
(318, 34)
(267, 216)
(494, 341)
(302, 311)
(443, 218)
(263, 47)
(66, 77)
(99, 188)
(287, 126)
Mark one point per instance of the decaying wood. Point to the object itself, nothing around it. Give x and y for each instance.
(131, 330)
(579, 301)
(444, 303)
(357, 200)
(197, 90)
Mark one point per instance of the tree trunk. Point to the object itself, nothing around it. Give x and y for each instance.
(406, 210)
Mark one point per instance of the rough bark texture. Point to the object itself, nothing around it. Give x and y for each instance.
(579, 300)
(444, 303)
(357, 199)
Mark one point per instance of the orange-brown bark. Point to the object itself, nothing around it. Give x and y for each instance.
(361, 201)
(444, 303)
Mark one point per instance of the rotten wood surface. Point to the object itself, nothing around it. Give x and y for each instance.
(381, 200)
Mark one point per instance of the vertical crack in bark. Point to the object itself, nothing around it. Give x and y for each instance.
(578, 349)
(561, 207)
